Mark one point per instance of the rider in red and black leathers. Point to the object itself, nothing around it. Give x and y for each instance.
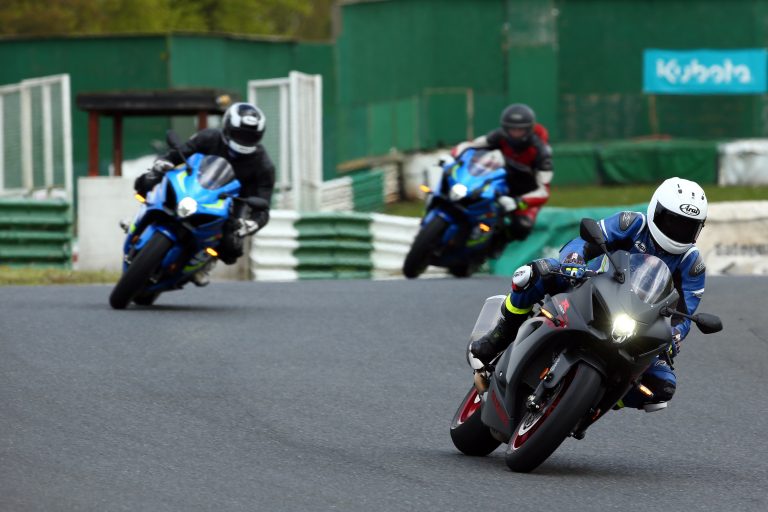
(528, 161)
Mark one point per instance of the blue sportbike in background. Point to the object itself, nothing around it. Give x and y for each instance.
(177, 228)
(463, 220)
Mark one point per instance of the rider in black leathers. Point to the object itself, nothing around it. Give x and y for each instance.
(243, 126)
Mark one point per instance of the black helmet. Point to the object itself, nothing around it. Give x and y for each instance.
(518, 116)
(243, 127)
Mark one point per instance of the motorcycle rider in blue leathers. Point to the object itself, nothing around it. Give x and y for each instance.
(668, 230)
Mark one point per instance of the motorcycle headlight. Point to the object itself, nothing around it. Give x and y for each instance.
(458, 192)
(186, 207)
(623, 328)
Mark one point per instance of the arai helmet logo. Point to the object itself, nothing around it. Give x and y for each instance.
(690, 209)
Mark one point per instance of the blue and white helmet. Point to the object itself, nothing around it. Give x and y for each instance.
(676, 214)
(243, 127)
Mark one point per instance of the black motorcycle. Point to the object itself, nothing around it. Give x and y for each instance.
(580, 353)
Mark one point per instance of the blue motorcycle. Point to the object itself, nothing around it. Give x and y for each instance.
(463, 217)
(178, 227)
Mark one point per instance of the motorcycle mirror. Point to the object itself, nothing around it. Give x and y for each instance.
(707, 323)
(590, 231)
(172, 139)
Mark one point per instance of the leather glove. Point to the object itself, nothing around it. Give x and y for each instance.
(162, 166)
(574, 265)
(459, 149)
(574, 270)
(509, 204)
(246, 227)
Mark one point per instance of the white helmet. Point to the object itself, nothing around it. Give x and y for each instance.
(676, 214)
(243, 126)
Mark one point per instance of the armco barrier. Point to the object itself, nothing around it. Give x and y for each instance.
(35, 232)
(332, 246)
(361, 191)
(272, 249)
(743, 162)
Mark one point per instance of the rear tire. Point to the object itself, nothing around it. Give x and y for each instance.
(425, 242)
(468, 432)
(462, 270)
(135, 278)
(538, 435)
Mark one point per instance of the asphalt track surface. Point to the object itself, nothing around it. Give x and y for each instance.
(337, 395)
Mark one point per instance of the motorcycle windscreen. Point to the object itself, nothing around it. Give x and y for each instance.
(485, 162)
(650, 278)
(488, 317)
(215, 172)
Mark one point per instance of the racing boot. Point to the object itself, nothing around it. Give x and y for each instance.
(499, 338)
(203, 276)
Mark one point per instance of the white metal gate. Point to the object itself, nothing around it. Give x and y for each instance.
(293, 107)
(36, 137)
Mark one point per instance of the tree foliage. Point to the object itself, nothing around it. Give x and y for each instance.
(293, 18)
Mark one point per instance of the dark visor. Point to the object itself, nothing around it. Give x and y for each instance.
(243, 136)
(677, 227)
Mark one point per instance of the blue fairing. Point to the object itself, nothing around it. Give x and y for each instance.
(482, 173)
(204, 179)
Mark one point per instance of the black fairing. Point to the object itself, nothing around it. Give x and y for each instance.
(580, 331)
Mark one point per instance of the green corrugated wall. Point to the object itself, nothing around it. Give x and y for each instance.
(405, 69)
(601, 45)
(159, 62)
(402, 72)
(95, 64)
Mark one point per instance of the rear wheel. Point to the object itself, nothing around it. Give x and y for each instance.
(425, 242)
(462, 270)
(135, 278)
(539, 433)
(468, 432)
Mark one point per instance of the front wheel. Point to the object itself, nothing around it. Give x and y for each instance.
(468, 433)
(146, 299)
(135, 277)
(539, 434)
(425, 242)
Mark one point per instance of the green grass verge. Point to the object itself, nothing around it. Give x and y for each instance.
(587, 196)
(10, 276)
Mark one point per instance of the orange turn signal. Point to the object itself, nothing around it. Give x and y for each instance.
(140, 198)
(485, 227)
(644, 390)
(425, 189)
(211, 251)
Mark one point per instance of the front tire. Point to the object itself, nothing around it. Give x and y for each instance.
(135, 278)
(468, 433)
(539, 434)
(146, 299)
(425, 242)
